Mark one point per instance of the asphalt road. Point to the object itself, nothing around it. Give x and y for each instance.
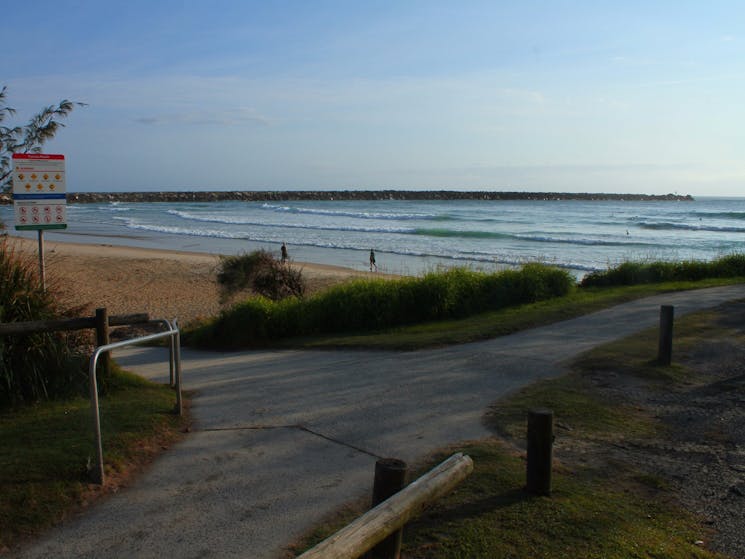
(282, 438)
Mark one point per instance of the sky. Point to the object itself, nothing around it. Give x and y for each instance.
(562, 96)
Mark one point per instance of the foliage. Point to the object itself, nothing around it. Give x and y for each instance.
(372, 304)
(634, 273)
(35, 366)
(261, 272)
(47, 448)
(28, 138)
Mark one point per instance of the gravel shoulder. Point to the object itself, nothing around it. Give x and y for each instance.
(700, 450)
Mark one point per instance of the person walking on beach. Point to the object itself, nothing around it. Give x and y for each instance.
(283, 250)
(372, 261)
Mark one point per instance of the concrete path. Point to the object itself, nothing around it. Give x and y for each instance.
(283, 438)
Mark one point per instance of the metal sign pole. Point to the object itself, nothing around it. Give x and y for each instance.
(41, 260)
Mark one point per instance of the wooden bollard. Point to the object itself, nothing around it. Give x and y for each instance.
(390, 478)
(540, 451)
(665, 351)
(102, 338)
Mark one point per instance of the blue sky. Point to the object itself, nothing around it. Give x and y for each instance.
(533, 96)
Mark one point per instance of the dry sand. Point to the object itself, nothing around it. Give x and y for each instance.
(165, 284)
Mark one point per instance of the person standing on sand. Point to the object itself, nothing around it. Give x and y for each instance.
(283, 250)
(372, 261)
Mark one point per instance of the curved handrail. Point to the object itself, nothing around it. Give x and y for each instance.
(175, 371)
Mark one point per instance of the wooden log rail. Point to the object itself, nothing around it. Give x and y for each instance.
(32, 327)
(392, 514)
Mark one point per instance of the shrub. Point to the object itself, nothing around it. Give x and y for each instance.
(373, 304)
(261, 272)
(36, 366)
(634, 273)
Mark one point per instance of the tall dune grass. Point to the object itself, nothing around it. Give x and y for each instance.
(635, 273)
(373, 304)
(36, 366)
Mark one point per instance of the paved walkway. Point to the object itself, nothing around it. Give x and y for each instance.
(283, 438)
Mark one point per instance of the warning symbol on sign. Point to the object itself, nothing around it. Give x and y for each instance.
(39, 191)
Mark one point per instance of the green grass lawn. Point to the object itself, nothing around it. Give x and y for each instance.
(588, 515)
(47, 450)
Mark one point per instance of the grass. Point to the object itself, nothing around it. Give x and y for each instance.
(605, 515)
(365, 305)
(587, 516)
(599, 508)
(44, 478)
(580, 410)
(452, 306)
(635, 272)
(39, 366)
(498, 323)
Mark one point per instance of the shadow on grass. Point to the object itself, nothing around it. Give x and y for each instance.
(474, 508)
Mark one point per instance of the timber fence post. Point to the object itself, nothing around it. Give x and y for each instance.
(390, 477)
(665, 350)
(540, 451)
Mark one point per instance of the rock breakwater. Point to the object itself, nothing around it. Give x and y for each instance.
(259, 196)
(295, 195)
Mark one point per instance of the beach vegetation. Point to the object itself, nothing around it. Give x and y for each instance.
(365, 305)
(262, 273)
(373, 305)
(48, 448)
(502, 322)
(635, 273)
(35, 366)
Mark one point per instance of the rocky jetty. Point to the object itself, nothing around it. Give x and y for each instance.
(274, 195)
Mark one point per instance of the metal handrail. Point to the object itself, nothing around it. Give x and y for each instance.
(175, 371)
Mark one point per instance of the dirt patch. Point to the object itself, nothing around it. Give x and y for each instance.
(699, 450)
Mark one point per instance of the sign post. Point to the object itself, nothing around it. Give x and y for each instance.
(39, 196)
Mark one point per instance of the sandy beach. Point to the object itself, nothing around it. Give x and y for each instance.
(165, 284)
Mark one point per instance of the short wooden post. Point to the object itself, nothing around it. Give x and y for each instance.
(394, 513)
(665, 351)
(390, 478)
(102, 338)
(540, 451)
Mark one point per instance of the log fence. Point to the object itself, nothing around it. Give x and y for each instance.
(66, 324)
(391, 515)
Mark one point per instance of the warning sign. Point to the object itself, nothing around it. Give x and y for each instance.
(39, 191)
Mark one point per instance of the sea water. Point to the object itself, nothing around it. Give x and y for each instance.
(412, 237)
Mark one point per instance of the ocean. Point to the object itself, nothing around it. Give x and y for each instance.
(413, 237)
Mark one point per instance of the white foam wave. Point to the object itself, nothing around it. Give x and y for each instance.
(227, 220)
(355, 214)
